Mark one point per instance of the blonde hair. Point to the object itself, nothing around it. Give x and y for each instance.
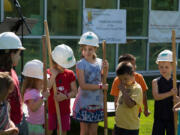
(81, 49)
(29, 83)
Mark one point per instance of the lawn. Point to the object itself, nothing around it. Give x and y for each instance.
(145, 123)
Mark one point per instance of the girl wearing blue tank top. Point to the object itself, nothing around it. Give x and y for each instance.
(162, 90)
(88, 105)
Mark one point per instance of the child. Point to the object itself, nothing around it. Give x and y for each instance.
(32, 86)
(7, 127)
(129, 101)
(139, 79)
(10, 49)
(65, 80)
(88, 105)
(162, 90)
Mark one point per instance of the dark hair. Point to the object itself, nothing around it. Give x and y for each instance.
(5, 83)
(5, 59)
(81, 49)
(126, 57)
(124, 68)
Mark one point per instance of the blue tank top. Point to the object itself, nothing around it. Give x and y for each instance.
(92, 75)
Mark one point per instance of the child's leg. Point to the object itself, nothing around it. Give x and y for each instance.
(65, 124)
(83, 128)
(92, 129)
(64, 133)
(170, 128)
(50, 132)
(158, 128)
(52, 125)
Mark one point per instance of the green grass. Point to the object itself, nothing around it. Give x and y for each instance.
(146, 123)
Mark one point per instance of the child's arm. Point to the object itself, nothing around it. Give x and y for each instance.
(157, 95)
(126, 97)
(115, 101)
(73, 91)
(34, 105)
(52, 78)
(146, 110)
(12, 130)
(87, 86)
(128, 101)
(176, 107)
(60, 96)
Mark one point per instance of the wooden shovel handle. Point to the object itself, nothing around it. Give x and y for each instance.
(174, 75)
(54, 85)
(104, 80)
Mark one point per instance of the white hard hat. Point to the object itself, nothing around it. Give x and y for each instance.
(9, 40)
(63, 56)
(89, 38)
(34, 69)
(165, 55)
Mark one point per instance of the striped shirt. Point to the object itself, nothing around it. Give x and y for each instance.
(4, 118)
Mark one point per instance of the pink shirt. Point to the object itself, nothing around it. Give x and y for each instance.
(38, 116)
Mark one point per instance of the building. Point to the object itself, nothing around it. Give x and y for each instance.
(65, 26)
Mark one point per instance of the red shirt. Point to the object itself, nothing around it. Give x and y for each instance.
(63, 81)
(15, 100)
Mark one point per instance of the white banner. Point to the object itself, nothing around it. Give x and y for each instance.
(161, 25)
(108, 24)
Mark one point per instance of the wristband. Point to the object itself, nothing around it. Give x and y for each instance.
(100, 86)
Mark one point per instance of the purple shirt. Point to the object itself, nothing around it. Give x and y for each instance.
(38, 116)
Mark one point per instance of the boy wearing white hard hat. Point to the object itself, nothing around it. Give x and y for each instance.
(88, 105)
(63, 58)
(10, 49)
(34, 96)
(163, 92)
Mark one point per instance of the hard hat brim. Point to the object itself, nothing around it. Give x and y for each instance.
(68, 65)
(20, 48)
(80, 43)
(32, 76)
(157, 61)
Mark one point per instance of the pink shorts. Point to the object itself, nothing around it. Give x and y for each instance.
(52, 122)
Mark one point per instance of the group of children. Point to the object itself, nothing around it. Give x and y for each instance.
(129, 91)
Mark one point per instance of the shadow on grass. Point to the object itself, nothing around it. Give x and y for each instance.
(75, 129)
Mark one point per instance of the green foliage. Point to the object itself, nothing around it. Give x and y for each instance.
(171, 5)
